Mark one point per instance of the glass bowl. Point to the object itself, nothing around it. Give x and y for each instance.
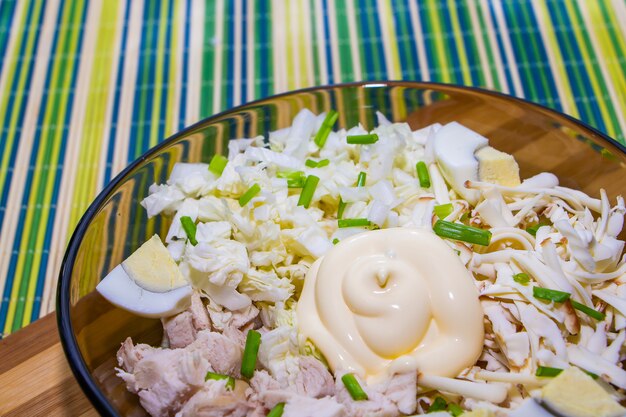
(115, 224)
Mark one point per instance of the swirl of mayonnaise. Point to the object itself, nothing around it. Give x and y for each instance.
(390, 301)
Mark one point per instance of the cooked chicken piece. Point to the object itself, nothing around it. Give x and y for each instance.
(299, 406)
(262, 381)
(179, 330)
(314, 380)
(199, 313)
(402, 390)
(128, 354)
(215, 400)
(237, 319)
(167, 379)
(376, 406)
(223, 354)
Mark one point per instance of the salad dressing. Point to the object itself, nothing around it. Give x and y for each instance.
(390, 301)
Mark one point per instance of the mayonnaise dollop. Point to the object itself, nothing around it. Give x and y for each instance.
(390, 301)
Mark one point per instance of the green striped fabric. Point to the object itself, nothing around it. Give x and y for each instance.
(86, 86)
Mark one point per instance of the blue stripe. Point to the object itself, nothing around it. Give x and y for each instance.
(328, 42)
(244, 56)
(4, 303)
(185, 67)
(451, 50)
(428, 44)
(408, 61)
(115, 113)
(41, 276)
(4, 42)
(468, 37)
(264, 56)
(229, 55)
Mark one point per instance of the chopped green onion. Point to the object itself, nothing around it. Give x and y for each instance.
(533, 229)
(550, 295)
(443, 210)
(362, 139)
(521, 278)
(458, 252)
(249, 195)
(324, 130)
(341, 208)
(591, 374)
(295, 179)
(465, 217)
(316, 164)
(248, 361)
(462, 232)
(217, 164)
(455, 409)
(422, 174)
(438, 405)
(360, 180)
(547, 371)
(353, 387)
(230, 383)
(190, 229)
(353, 223)
(588, 310)
(335, 241)
(277, 411)
(306, 195)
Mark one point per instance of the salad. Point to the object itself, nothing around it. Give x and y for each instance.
(391, 272)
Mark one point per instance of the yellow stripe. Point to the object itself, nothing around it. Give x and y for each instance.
(158, 78)
(444, 65)
(458, 38)
(171, 82)
(96, 111)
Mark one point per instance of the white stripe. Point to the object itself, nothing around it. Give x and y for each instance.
(334, 47)
(219, 49)
(129, 84)
(307, 9)
(508, 49)
(486, 66)
(236, 87)
(620, 10)
(321, 43)
(384, 17)
(250, 47)
(25, 147)
(554, 58)
(279, 50)
(419, 41)
(194, 76)
(292, 43)
(66, 207)
(497, 56)
(602, 64)
(354, 41)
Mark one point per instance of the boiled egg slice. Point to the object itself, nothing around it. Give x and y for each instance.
(148, 283)
(463, 155)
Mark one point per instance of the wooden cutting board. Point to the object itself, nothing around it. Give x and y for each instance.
(35, 378)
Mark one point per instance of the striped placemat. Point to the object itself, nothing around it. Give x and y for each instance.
(86, 86)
